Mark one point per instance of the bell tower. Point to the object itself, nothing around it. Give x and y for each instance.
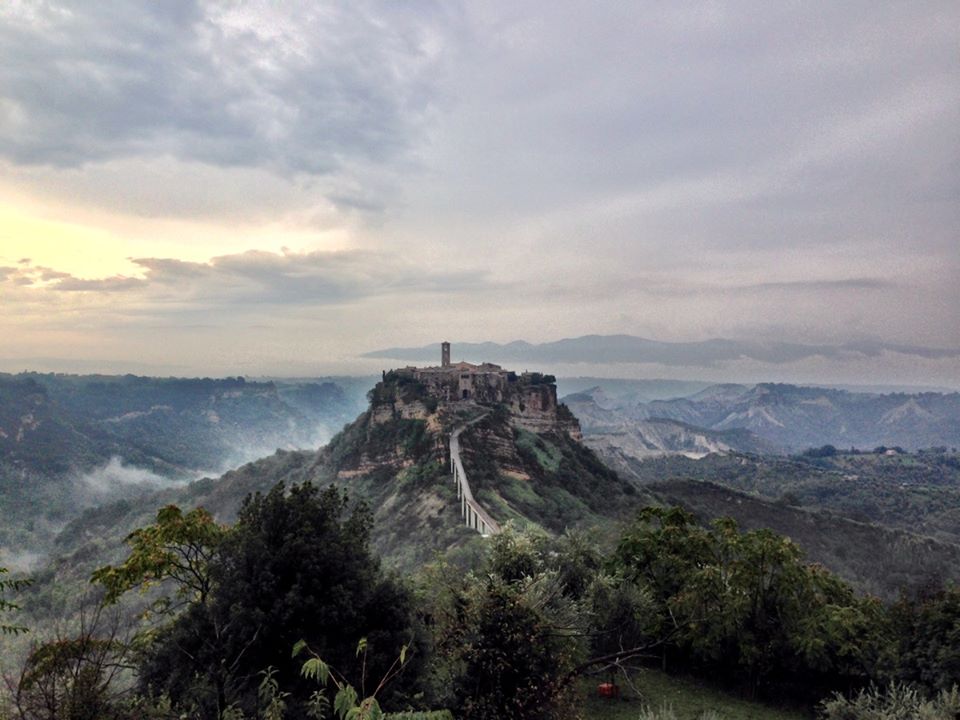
(445, 354)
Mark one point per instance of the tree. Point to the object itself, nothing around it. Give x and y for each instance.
(73, 676)
(508, 636)
(296, 565)
(929, 639)
(178, 547)
(746, 608)
(8, 585)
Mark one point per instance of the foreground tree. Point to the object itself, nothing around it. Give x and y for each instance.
(506, 635)
(928, 628)
(178, 549)
(297, 565)
(514, 636)
(744, 607)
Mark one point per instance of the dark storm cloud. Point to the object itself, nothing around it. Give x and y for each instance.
(306, 92)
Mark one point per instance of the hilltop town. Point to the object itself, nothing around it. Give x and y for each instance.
(530, 397)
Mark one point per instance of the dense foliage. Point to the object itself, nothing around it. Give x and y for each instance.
(744, 608)
(928, 629)
(887, 524)
(296, 565)
(7, 586)
(508, 639)
(919, 492)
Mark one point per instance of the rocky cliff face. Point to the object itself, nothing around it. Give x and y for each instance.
(534, 407)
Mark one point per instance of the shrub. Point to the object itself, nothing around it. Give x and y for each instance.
(896, 702)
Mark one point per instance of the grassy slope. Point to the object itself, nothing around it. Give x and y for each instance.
(919, 493)
(873, 559)
(547, 479)
(688, 699)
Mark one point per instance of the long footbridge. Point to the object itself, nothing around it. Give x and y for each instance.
(470, 510)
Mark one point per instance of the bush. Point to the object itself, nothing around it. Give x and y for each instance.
(896, 702)
(666, 712)
(297, 565)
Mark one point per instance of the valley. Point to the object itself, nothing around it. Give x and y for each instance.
(883, 521)
(71, 442)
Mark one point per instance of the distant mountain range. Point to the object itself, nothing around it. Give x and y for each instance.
(767, 417)
(630, 349)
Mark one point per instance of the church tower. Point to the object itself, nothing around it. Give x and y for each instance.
(445, 354)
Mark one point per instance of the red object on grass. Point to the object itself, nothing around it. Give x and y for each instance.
(608, 690)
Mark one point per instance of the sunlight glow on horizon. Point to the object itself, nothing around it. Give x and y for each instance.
(98, 250)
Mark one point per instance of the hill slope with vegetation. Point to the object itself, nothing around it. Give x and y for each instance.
(523, 615)
(68, 442)
(788, 417)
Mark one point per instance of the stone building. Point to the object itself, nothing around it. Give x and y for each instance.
(531, 397)
(483, 383)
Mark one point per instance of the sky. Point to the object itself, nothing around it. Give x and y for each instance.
(198, 188)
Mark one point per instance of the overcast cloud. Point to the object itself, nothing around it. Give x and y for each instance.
(482, 171)
(255, 278)
(226, 84)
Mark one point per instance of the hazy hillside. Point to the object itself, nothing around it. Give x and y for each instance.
(68, 442)
(883, 522)
(607, 427)
(918, 493)
(394, 457)
(791, 417)
(875, 560)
